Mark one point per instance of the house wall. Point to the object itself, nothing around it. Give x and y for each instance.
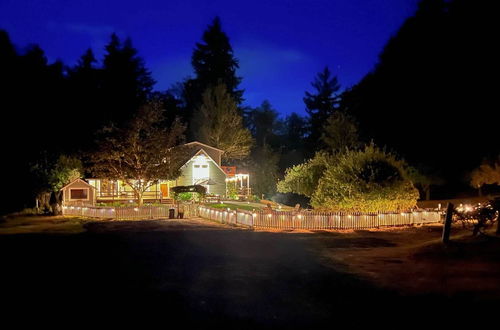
(215, 174)
(78, 185)
(186, 178)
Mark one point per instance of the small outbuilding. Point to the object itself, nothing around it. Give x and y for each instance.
(78, 193)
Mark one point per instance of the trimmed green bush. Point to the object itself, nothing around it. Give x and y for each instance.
(368, 180)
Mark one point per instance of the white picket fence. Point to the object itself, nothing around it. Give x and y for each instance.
(319, 220)
(264, 219)
(128, 212)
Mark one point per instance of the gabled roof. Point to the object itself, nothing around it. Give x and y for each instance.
(82, 181)
(204, 145)
(201, 151)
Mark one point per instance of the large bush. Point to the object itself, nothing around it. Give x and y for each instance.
(368, 180)
(303, 179)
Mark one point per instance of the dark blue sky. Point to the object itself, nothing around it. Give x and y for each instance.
(281, 45)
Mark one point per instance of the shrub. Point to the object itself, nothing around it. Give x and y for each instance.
(368, 180)
(303, 179)
(184, 196)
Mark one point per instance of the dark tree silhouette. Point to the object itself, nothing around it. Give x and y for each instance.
(214, 63)
(428, 97)
(127, 83)
(321, 104)
(265, 125)
(85, 82)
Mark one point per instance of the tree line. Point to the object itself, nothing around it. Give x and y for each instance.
(412, 102)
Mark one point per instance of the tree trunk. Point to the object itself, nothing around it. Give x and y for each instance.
(44, 201)
(139, 199)
(56, 202)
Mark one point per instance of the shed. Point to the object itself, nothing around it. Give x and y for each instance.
(78, 192)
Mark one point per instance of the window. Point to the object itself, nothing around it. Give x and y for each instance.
(204, 166)
(78, 193)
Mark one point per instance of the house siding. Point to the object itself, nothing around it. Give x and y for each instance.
(214, 172)
(186, 178)
(78, 185)
(217, 175)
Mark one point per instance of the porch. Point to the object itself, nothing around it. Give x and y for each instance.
(108, 191)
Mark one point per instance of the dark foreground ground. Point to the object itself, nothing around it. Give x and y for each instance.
(203, 275)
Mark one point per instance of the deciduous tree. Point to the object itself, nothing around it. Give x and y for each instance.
(220, 124)
(485, 174)
(142, 152)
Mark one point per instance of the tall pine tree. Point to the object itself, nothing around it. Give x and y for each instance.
(321, 104)
(85, 81)
(127, 83)
(214, 63)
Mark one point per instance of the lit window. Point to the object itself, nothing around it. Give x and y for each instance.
(79, 193)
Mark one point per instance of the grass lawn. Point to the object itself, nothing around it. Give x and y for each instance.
(232, 206)
(25, 224)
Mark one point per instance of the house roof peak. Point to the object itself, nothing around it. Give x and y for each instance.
(204, 145)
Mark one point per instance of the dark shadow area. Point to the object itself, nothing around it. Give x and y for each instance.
(198, 277)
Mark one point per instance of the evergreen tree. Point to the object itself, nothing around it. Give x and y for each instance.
(214, 63)
(264, 125)
(85, 81)
(321, 104)
(264, 171)
(295, 129)
(340, 133)
(127, 83)
(428, 92)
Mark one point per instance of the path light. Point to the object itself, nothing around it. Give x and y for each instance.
(136, 209)
(299, 216)
(269, 215)
(254, 215)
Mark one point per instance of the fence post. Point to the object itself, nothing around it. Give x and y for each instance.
(447, 224)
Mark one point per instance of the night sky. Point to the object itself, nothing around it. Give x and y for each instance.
(281, 45)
